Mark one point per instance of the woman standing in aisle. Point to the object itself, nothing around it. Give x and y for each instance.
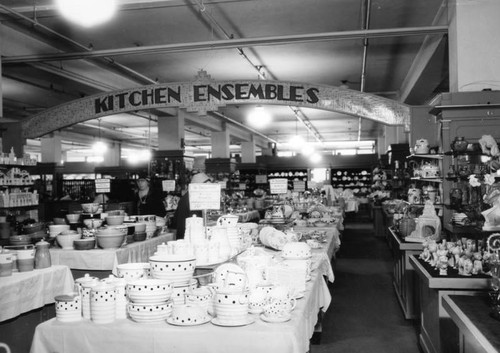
(147, 201)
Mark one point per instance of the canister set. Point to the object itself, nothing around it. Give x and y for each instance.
(24, 258)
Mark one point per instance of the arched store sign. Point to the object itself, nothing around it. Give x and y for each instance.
(204, 95)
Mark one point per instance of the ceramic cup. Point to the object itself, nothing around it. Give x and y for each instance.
(5, 264)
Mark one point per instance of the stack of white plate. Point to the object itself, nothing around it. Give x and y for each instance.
(150, 313)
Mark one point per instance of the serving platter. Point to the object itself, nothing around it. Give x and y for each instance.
(250, 320)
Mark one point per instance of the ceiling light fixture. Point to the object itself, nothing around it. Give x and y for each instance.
(87, 13)
(99, 148)
(259, 117)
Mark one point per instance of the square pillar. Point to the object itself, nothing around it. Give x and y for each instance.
(248, 152)
(220, 144)
(171, 131)
(51, 147)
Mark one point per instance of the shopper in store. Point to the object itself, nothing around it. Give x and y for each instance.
(183, 210)
(148, 201)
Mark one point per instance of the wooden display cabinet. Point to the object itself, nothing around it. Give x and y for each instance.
(403, 276)
(437, 334)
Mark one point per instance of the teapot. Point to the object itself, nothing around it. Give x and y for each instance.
(421, 146)
(429, 170)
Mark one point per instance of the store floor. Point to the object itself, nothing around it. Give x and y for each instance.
(364, 315)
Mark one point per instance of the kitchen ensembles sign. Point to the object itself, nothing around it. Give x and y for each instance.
(196, 96)
(205, 94)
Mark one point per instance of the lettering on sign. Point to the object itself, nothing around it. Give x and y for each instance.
(204, 196)
(278, 185)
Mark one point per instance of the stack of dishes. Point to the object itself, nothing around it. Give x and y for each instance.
(178, 269)
(150, 300)
(110, 237)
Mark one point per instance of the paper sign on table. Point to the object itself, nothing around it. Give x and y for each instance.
(204, 196)
(278, 185)
(102, 186)
(168, 185)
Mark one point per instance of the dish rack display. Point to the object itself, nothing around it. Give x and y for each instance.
(359, 180)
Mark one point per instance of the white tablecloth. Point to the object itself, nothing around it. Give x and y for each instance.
(108, 259)
(126, 336)
(25, 291)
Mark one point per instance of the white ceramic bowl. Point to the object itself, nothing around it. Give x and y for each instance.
(296, 250)
(93, 223)
(113, 241)
(115, 220)
(175, 268)
(90, 207)
(150, 313)
(149, 291)
(73, 217)
(65, 241)
(179, 291)
(133, 271)
(55, 229)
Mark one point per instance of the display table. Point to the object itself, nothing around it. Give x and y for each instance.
(127, 336)
(437, 333)
(107, 259)
(26, 300)
(478, 331)
(403, 276)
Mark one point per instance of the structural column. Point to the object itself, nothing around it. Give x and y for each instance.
(220, 144)
(171, 131)
(248, 152)
(51, 147)
(473, 45)
(112, 155)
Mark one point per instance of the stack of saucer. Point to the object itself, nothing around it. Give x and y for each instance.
(460, 218)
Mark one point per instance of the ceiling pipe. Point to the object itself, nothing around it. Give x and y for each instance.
(110, 61)
(233, 43)
(366, 25)
(304, 119)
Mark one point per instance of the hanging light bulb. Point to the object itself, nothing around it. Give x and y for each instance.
(99, 148)
(316, 157)
(296, 142)
(307, 150)
(259, 117)
(87, 13)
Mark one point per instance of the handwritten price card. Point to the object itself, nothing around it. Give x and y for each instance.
(204, 196)
(278, 186)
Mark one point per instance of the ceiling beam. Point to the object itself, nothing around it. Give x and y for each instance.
(232, 43)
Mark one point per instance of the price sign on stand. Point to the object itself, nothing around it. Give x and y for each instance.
(261, 179)
(278, 186)
(168, 185)
(299, 185)
(102, 186)
(204, 196)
